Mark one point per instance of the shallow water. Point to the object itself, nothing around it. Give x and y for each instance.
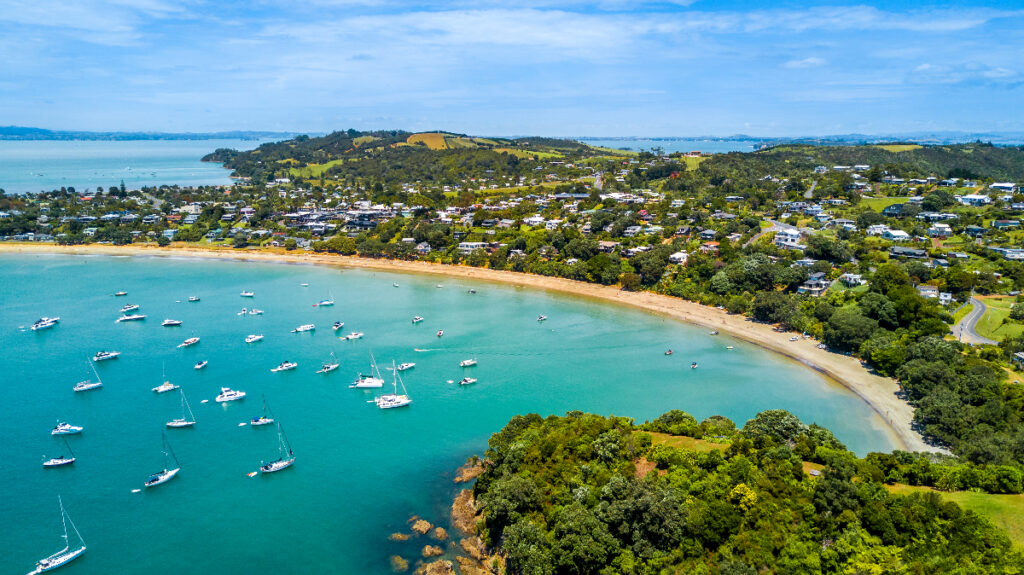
(361, 472)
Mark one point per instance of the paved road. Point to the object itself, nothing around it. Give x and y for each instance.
(964, 329)
(810, 193)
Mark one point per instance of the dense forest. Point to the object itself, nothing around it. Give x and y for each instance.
(587, 494)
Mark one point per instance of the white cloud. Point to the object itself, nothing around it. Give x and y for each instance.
(810, 62)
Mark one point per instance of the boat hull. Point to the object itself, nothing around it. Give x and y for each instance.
(164, 477)
(60, 560)
(180, 423)
(58, 462)
(275, 466)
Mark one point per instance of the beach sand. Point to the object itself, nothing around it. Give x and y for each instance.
(879, 392)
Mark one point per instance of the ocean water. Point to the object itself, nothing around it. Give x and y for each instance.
(670, 145)
(361, 472)
(44, 165)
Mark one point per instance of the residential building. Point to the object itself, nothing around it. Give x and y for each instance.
(815, 285)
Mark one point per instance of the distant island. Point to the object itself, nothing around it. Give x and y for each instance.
(29, 133)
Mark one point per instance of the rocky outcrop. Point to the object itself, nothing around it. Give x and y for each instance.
(440, 534)
(422, 526)
(440, 567)
(432, 551)
(399, 565)
(464, 512)
(399, 536)
(469, 472)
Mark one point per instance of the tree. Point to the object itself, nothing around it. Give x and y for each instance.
(847, 329)
(773, 307)
(290, 244)
(774, 426)
(630, 281)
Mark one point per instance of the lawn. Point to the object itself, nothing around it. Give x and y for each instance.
(964, 310)
(529, 153)
(991, 324)
(433, 140)
(314, 170)
(879, 204)
(692, 163)
(899, 147)
(1004, 511)
(682, 442)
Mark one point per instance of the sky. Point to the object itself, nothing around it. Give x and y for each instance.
(528, 67)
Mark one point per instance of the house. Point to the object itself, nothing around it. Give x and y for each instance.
(896, 236)
(709, 247)
(945, 298)
(631, 231)
(423, 248)
(975, 200)
(788, 238)
(191, 219)
(975, 231)
(708, 234)
(902, 252)
(1005, 224)
(1003, 187)
(678, 258)
(1018, 358)
(877, 229)
(851, 280)
(607, 246)
(930, 292)
(815, 285)
(804, 263)
(893, 211)
(940, 231)
(470, 247)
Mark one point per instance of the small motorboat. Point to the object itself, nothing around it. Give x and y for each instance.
(417, 319)
(302, 328)
(303, 285)
(353, 335)
(713, 332)
(201, 364)
(728, 347)
(405, 366)
(338, 325)
(171, 322)
(87, 385)
(467, 381)
(165, 387)
(440, 332)
(324, 303)
(285, 366)
(120, 293)
(45, 323)
(253, 338)
(669, 352)
(439, 286)
(395, 284)
(63, 428)
(228, 394)
(105, 355)
(130, 307)
(472, 291)
(255, 311)
(467, 363)
(542, 317)
(693, 365)
(243, 312)
(188, 342)
(247, 294)
(133, 317)
(193, 298)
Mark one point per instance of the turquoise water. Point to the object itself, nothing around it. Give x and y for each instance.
(361, 472)
(670, 145)
(44, 165)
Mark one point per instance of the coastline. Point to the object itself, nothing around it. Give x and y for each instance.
(877, 391)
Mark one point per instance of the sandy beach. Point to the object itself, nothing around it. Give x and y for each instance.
(879, 392)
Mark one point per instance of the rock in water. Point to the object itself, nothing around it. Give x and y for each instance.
(464, 512)
(440, 534)
(441, 567)
(432, 551)
(421, 526)
(469, 472)
(399, 565)
(399, 536)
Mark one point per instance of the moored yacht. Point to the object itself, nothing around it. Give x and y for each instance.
(305, 327)
(133, 317)
(329, 366)
(354, 335)
(285, 366)
(247, 294)
(338, 325)
(266, 418)
(120, 293)
(405, 366)
(417, 319)
(542, 317)
(189, 341)
(285, 456)
(60, 460)
(105, 355)
(63, 428)
(467, 380)
(130, 307)
(467, 362)
(165, 387)
(253, 338)
(169, 471)
(87, 384)
(255, 311)
(45, 323)
(228, 394)
(368, 381)
(187, 419)
(66, 555)
(201, 364)
(440, 332)
(392, 400)
(193, 298)
(171, 322)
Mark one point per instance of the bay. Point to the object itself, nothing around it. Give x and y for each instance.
(44, 165)
(671, 145)
(361, 472)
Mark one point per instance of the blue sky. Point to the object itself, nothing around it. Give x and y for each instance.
(571, 68)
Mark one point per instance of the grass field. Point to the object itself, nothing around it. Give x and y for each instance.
(692, 163)
(682, 442)
(530, 154)
(314, 170)
(991, 324)
(964, 310)
(1005, 511)
(433, 140)
(879, 204)
(363, 140)
(899, 147)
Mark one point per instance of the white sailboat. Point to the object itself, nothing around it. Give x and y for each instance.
(87, 384)
(60, 460)
(330, 365)
(266, 419)
(133, 317)
(285, 456)
(392, 400)
(305, 327)
(168, 472)
(253, 338)
(187, 419)
(65, 555)
(369, 381)
(326, 302)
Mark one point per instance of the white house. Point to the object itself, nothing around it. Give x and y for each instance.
(877, 229)
(788, 238)
(678, 258)
(896, 236)
(1003, 186)
(974, 200)
(940, 231)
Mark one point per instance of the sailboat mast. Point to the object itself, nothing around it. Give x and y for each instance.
(92, 364)
(167, 446)
(64, 520)
(68, 446)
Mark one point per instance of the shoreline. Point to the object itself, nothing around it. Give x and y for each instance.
(877, 391)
